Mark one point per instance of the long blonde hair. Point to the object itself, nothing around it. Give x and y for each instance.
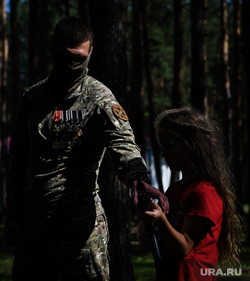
(204, 136)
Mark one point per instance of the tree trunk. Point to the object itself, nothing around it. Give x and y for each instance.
(246, 48)
(197, 54)
(38, 40)
(136, 95)
(3, 105)
(118, 208)
(33, 47)
(108, 20)
(237, 135)
(150, 90)
(108, 64)
(178, 64)
(67, 7)
(178, 54)
(83, 10)
(225, 79)
(15, 55)
(43, 39)
(206, 106)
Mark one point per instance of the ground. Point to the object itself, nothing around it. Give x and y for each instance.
(142, 261)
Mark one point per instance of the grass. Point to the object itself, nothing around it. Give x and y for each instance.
(144, 266)
(143, 263)
(142, 260)
(5, 267)
(6, 259)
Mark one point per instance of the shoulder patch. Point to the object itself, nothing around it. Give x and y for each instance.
(119, 112)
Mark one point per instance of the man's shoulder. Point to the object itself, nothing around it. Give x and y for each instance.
(98, 92)
(38, 87)
(102, 97)
(32, 94)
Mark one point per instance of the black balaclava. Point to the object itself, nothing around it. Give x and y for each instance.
(68, 74)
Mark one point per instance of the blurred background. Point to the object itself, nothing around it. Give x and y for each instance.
(153, 55)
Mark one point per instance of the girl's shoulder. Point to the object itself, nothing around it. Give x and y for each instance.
(201, 198)
(197, 191)
(204, 187)
(191, 186)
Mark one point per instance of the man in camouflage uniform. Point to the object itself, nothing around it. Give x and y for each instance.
(65, 124)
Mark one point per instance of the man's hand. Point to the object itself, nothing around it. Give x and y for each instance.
(155, 194)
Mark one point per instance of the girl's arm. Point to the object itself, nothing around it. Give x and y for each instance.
(179, 243)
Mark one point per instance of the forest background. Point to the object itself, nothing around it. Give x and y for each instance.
(153, 55)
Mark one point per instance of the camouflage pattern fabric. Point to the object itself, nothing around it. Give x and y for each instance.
(58, 250)
(96, 251)
(57, 149)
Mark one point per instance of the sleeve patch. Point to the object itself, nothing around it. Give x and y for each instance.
(119, 112)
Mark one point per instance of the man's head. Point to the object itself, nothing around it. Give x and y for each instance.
(70, 32)
(71, 51)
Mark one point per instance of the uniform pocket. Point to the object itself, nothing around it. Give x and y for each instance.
(88, 264)
(95, 253)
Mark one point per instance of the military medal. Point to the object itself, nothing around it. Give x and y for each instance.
(64, 128)
(57, 116)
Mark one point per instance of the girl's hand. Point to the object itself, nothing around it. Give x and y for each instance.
(154, 215)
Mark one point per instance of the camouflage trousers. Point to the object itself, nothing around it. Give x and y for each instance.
(67, 260)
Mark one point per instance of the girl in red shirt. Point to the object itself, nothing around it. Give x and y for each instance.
(202, 224)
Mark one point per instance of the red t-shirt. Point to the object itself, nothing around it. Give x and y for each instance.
(197, 198)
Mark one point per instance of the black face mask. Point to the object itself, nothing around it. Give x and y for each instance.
(70, 73)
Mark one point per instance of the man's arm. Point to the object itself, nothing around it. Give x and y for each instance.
(126, 155)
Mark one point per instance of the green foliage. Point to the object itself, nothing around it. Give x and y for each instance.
(144, 270)
(5, 267)
(160, 23)
(143, 263)
(159, 18)
(6, 257)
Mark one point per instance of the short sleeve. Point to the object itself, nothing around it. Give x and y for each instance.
(204, 201)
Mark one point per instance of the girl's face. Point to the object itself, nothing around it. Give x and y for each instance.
(174, 150)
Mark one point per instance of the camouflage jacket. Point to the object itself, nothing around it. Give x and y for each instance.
(57, 149)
